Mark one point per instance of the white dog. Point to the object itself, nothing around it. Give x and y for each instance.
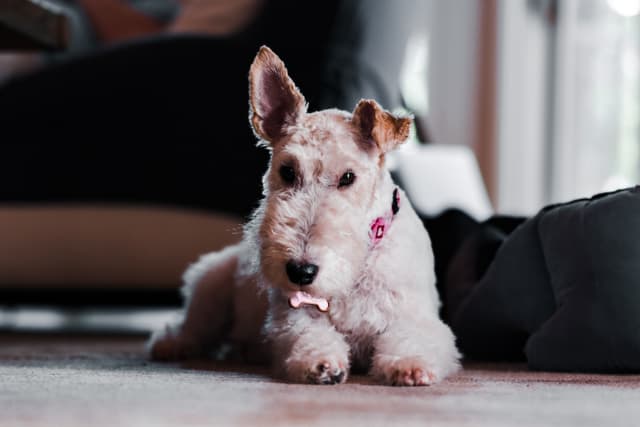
(335, 269)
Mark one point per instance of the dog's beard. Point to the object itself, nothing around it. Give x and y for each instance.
(293, 230)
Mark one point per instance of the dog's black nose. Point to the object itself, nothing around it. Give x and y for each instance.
(301, 273)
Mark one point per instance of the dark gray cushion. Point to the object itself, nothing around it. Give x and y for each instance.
(563, 290)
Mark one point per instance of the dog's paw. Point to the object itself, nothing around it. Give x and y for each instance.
(325, 371)
(410, 371)
(407, 357)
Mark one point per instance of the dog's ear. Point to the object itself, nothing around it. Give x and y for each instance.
(275, 101)
(380, 127)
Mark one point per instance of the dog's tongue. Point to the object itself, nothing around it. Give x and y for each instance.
(299, 298)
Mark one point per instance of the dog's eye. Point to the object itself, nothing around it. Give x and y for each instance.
(288, 174)
(347, 179)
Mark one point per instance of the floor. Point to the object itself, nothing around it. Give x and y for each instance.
(104, 380)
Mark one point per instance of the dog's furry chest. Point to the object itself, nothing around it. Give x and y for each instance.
(362, 314)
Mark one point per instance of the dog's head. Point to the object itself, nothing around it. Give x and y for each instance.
(322, 183)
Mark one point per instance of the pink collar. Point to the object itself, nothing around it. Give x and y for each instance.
(380, 225)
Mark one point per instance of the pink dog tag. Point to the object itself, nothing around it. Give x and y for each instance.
(379, 226)
(300, 298)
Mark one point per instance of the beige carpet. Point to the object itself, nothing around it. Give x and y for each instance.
(49, 380)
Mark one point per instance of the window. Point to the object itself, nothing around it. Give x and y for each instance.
(568, 114)
(596, 142)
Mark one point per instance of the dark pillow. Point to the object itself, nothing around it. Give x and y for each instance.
(592, 254)
(495, 319)
(563, 290)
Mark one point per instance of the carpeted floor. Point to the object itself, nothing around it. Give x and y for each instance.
(58, 380)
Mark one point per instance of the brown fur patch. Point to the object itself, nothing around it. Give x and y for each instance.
(383, 128)
(318, 168)
(381, 160)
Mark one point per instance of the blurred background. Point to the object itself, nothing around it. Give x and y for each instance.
(127, 152)
(545, 92)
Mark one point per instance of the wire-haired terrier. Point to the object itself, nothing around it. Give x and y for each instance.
(335, 269)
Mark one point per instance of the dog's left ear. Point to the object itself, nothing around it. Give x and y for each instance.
(275, 101)
(380, 127)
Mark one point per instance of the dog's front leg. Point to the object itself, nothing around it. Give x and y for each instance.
(308, 349)
(415, 352)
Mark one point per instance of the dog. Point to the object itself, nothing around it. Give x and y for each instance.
(335, 269)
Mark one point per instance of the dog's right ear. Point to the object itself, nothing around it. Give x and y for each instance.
(275, 101)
